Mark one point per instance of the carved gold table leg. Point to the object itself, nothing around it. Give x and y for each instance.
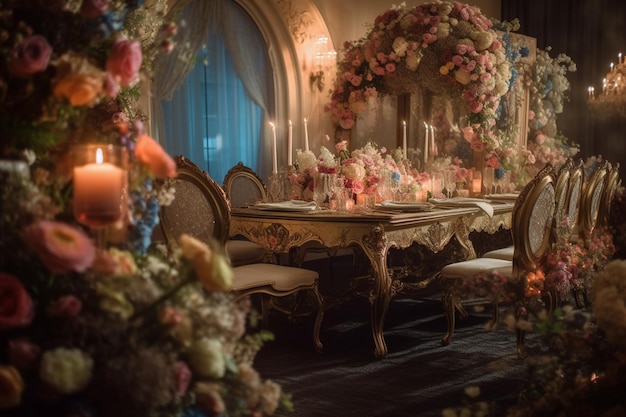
(374, 245)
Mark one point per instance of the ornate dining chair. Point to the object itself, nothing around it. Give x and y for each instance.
(590, 202)
(243, 187)
(533, 216)
(612, 184)
(561, 190)
(202, 210)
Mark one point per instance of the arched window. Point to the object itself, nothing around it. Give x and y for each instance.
(211, 118)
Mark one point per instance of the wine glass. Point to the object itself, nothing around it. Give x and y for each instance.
(488, 179)
(450, 181)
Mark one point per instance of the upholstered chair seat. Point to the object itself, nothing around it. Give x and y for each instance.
(505, 254)
(243, 252)
(202, 210)
(533, 219)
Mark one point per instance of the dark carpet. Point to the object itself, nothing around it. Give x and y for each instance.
(418, 377)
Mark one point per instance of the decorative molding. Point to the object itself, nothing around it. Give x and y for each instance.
(298, 21)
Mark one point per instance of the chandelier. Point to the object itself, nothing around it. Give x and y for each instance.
(612, 100)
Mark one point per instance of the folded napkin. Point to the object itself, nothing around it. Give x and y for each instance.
(503, 197)
(484, 205)
(291, 205)
(407, 205)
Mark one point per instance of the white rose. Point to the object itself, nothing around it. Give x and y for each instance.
(399, 46)
(206, 358)
(66, 370)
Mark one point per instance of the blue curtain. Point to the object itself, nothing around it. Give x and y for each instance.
(211, 119)
(214, 113)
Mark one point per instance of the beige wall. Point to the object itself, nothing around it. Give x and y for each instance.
(346, 19)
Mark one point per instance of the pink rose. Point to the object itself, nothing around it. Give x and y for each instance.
(61, 247)
(30, 56)
(357, 187)
(67, 306)
(160, 164)
(182, 377)
(23, 354)
(92, 9)
(124, 61)
(16, 307)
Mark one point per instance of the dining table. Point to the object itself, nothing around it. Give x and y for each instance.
(279, 229)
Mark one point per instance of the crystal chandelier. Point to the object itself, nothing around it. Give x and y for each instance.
(612, 100)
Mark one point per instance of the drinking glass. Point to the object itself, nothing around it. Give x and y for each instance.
(488, 180)
(323, 188)
(450, 182)
(437, 181)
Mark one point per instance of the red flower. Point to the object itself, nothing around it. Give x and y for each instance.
(16, 307)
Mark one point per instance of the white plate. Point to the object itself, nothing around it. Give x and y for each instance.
(407, 205)
(294, 205)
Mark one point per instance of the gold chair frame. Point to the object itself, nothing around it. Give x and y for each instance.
(207, 197)
(530, 248)
(241, 173)
(197, 195)
(590, 201)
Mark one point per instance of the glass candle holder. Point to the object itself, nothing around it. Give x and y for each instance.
(100, 178)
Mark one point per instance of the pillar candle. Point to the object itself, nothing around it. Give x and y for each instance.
(306, 135)
(290, 145)
(98, 191)
(433, 146)
(274, 157)
(425, 144)
(404, 138)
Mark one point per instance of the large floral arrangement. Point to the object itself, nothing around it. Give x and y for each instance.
(582, 371)
(89, 327)
(448, 48)
(549, 88)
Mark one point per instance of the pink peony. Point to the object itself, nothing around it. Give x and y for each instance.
(61, 247)
(16, 307)
(32, 55)
(124, 61)
(149, 152)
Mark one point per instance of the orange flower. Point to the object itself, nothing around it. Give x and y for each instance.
(160, 164)
(11, 387)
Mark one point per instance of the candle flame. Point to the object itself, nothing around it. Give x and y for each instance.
(404, 123)
(99, 157)
(290, 123)
(272, 124)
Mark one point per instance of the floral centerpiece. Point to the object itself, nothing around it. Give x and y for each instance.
(448, 48)
(549, 87)
(93, 327)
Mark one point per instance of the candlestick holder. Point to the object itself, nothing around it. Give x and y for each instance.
(100, 180)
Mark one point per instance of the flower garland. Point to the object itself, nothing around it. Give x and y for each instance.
(549, 86)
(448, 48)
(123, 327)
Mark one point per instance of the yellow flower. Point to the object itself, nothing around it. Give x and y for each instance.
(443, 70)
(11, 387)
(212, 269)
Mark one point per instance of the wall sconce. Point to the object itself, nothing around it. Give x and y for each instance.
(324, 58)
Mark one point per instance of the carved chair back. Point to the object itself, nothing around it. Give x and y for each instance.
(200, 207)
(243, 186)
